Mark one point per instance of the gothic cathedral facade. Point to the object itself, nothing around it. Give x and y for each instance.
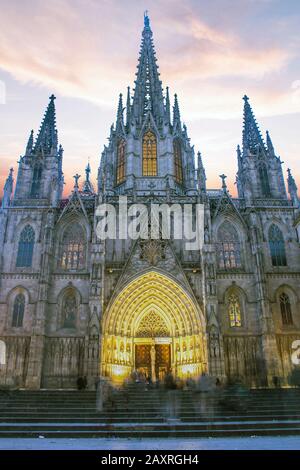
(72, 304)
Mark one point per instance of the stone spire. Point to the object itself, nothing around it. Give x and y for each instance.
(176, 114)
(292, 189)
(29, 145)
(128, 109)
(47, 137)
(120, 120)
(148, 93)
(270, 146)
(8, 189)
(168, 106)
(87, 186)
(201, 176)
(252, 138)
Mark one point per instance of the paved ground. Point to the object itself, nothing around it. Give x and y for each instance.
(247, 443)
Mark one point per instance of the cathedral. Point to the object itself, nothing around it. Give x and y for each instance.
(76, 305)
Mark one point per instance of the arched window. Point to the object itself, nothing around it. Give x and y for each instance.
(277, 248)
(69, 311)
(228, 247)
(178, 161)
(121, 159)
(264, 181)
(234, 311)
(73, 248)
(36, 181)
(25, 248)
(18, 311)
(285, 309)
(149, 154)
(2, 353)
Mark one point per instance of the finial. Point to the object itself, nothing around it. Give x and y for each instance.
(245, 98)
(223, 178)
(88, 171)
(146, 19)
(52, 97)
(76, 178)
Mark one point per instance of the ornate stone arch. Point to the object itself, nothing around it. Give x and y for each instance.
(173, 314)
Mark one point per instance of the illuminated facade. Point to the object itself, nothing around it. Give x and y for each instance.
(73, 305)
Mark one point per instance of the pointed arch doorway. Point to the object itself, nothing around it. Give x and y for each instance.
(153, 325)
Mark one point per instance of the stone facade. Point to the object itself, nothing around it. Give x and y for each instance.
(59, 282)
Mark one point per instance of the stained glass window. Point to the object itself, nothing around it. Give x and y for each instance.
(25, 247)
(18, 311)
(73, 248)
(285, 308)
(234, 311)
(228, 247)
(36, 181)
(178, 161)
(277, 248)
(121, 159)
(149, 154)
(69, 311)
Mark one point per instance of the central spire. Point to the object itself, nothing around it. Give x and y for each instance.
(148, 95)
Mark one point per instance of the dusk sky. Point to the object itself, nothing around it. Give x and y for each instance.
(210, 53)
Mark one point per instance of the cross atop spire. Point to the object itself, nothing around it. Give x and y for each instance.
(224, 185)
(148, 90)
(252, 138)
(47, 136)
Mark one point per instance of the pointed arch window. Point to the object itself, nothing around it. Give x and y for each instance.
(178, 161)
(69, 311)
(234, 311)
(149, 154)
(25, 247)
(36, 181)
(285, 309)
(121, 161)
(18, 311)
(264, 181)
(73, 248)
(277, 247)
(228, 247)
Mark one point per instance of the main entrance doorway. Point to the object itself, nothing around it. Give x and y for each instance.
(153, 360)
(153, 325)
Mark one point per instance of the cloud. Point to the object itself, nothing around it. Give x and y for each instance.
(84, 49)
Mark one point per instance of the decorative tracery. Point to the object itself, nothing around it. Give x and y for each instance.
(285, 309)
(234, 311)
(151, 326)
(149, 154)
(73, 248)
(25, 247)
(228, 247)
(277, 247)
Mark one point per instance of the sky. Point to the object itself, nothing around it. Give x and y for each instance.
(210, 53)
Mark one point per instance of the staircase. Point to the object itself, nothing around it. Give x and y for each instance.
(137, 412)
